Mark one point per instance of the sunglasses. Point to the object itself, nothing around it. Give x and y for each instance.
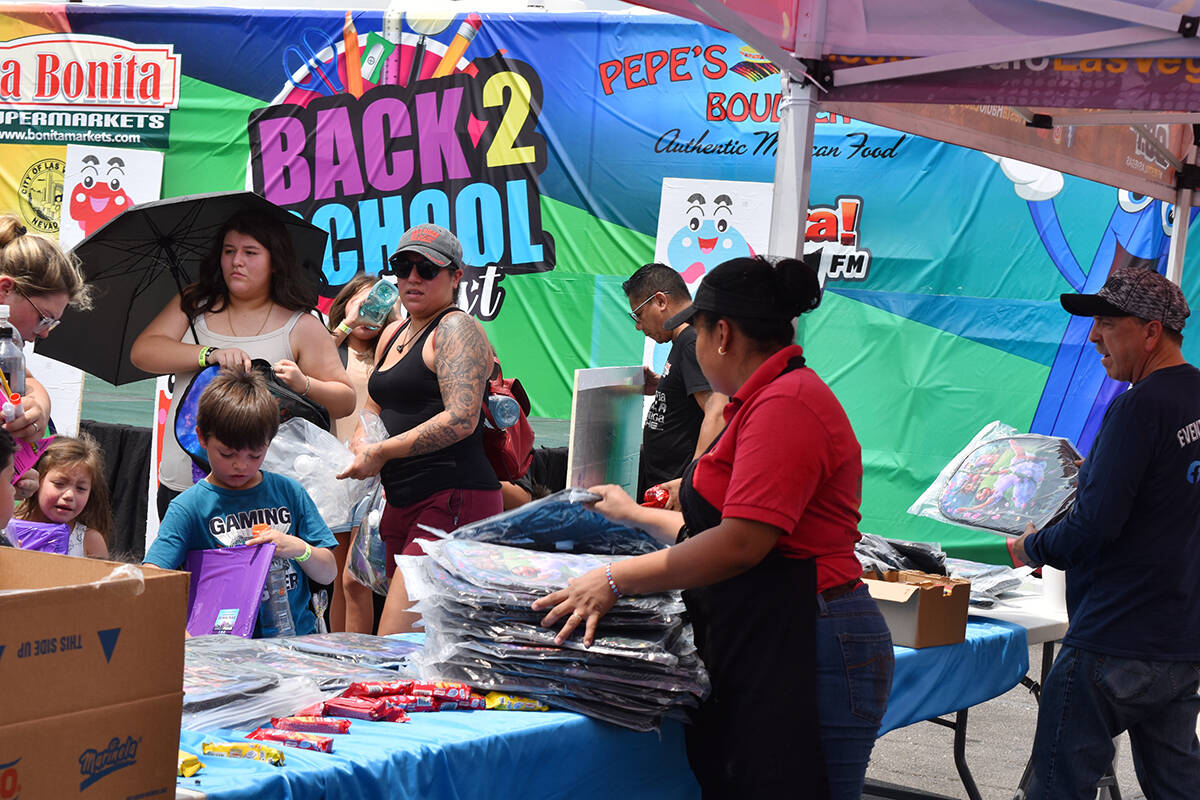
(402, 266)
(636, 314)
(46, 323)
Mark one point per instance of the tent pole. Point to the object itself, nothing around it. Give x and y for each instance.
(789, 208)
(1179, 232)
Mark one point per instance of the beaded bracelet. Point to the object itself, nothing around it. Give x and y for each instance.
(611, 583)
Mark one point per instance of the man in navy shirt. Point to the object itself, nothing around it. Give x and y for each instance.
(1131, 548)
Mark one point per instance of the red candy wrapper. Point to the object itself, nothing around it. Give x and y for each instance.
(441, 690)
(377, 688)
(477, 702)
(305, 741)
(410, 703)
(311, 724)
(315, 710)
(370, 708)
(655, 497)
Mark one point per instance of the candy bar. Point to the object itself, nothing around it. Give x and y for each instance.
(500, 701)
(251, 750)
(311, 724)
(377, 688)
(410, 703)
(442, 690)
(305, 741)
(371, 708)
(189, 765)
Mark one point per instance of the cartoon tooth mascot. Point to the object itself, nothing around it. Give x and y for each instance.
(1078, 391)
(704, 242)
(97, 198)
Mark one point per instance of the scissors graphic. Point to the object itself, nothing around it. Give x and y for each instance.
(322, 75)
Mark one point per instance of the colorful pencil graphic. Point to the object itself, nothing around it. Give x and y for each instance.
(458, 46)
(354, 83)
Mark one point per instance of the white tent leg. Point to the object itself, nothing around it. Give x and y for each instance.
(789, 209)
(1179, 232)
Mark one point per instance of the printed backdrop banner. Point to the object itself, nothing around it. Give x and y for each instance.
(548, 143)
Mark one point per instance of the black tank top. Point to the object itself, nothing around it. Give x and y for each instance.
(408, 394)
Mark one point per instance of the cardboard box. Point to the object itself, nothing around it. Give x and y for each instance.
(922, 610)
(91, 677)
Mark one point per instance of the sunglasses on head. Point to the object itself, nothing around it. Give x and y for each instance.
(403, 263)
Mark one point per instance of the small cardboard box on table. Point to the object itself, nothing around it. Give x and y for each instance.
(91, 677)
(921, 610)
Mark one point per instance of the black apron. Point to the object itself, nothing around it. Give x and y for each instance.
(757, 734)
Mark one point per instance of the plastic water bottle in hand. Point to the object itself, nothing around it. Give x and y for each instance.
(378, 303)
(12, 357)
(277, 592)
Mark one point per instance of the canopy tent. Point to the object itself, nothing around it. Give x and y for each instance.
(992, 75)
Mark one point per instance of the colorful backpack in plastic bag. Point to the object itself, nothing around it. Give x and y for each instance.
(1005, 483)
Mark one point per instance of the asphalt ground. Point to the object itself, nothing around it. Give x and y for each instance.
(920, 757)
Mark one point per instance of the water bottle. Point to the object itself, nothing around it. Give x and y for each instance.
(277, 592)
(505, 410)
(12, 357)
(378, 303)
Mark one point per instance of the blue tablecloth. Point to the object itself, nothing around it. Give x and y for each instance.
(938, 680)
(521, 755)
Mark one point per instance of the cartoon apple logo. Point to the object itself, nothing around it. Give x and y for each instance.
(98, 198)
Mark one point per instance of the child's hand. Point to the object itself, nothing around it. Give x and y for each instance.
(27, 486)
(285, 546)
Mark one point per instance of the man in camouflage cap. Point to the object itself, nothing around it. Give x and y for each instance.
(1131, 548)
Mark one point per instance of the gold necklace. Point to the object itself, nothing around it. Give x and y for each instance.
(270, 308)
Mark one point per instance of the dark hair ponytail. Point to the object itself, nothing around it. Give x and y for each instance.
(787, 288)
(799, 285)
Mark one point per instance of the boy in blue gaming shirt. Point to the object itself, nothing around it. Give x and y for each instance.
(235, 422)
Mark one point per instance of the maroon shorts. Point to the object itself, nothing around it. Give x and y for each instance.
(444, 510)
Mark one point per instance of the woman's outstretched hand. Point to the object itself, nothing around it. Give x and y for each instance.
(585, 600)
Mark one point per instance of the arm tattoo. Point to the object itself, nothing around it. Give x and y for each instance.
(463, 361)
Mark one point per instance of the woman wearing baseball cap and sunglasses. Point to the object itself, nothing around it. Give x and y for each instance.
(431, 371)
(799, 656)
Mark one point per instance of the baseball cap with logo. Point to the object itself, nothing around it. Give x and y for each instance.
(1133, 292)
(433, 242)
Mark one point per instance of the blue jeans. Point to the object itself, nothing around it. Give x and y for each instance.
(1089, 698)
(854, 678)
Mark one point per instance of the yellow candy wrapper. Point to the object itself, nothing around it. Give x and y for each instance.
(189, 765)
(251, 750)
(500, 701)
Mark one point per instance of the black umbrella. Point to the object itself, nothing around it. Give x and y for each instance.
(140, 259)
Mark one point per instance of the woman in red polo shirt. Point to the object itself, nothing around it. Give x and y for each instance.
(799, 655)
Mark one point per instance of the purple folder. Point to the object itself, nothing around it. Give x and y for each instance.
(226, 587)
(46, 537)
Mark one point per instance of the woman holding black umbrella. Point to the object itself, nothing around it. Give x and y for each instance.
(251, 300)
(37, 283)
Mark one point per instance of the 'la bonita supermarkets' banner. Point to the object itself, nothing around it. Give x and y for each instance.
(545, 142)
